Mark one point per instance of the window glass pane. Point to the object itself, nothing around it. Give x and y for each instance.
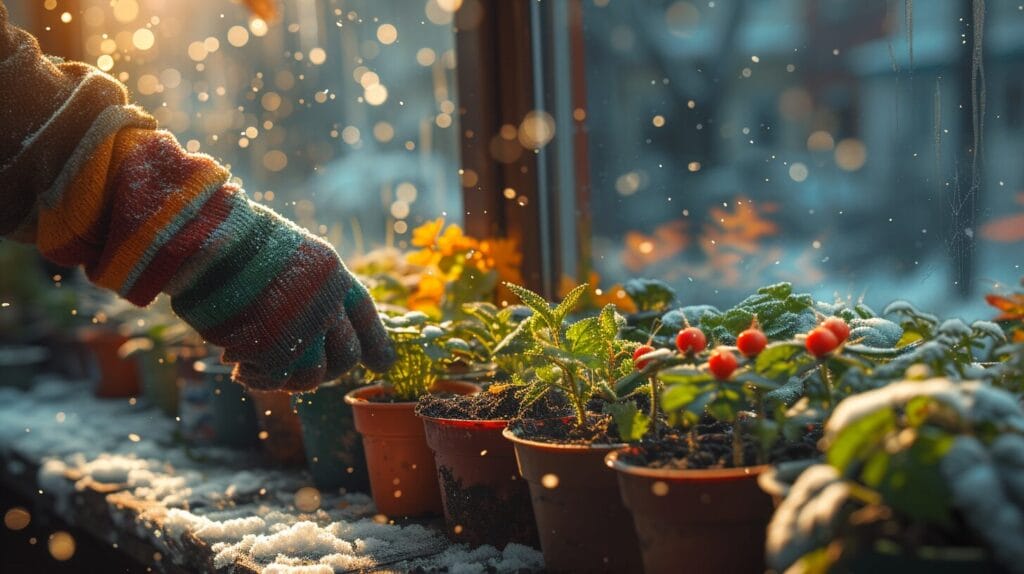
(827, 143)
(339, 114)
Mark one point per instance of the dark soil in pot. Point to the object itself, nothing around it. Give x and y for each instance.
(690, 509)
(582, 523)
(403, 477)
(485, 500)
(334, 449)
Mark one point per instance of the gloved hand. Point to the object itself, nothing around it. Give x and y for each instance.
(279, 300)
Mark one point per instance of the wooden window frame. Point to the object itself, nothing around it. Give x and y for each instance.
(516, 57)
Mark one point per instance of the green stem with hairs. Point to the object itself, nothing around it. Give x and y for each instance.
(826, 379)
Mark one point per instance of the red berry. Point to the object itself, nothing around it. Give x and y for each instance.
(821, 341)
(691, 340)
(722, 363)
(751, 342)
(640, 352)
(838, 327)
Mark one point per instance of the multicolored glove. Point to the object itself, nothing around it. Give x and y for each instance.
(92, 182)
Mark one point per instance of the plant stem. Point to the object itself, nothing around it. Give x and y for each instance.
(826, 379)
(655, 426)
(737, 444)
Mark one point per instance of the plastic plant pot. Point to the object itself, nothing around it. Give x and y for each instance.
(215, 410)
(333, 447)
(158, 369)
(403, 478)
(485, 500)
(280, 430)
(20, 364)
(582, 523)
(115, 375)
(710, 520)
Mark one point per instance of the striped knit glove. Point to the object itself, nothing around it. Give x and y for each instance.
(278, 300)
(92, 182)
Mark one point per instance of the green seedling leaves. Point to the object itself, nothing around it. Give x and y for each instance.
(631, 423)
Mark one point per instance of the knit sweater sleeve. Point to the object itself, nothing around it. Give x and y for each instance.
(91, 181)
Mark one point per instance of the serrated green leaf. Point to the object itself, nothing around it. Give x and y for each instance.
(586, 341)
(569, 302)
(536, 303)
(609, 322)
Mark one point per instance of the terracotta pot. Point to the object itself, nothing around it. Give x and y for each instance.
(276, 417)
(485, 500)
(403, 479)
(334, 449)
(706, 520)
(582, 523)
(115, 375)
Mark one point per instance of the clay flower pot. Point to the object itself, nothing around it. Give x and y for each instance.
(403, 478)
(280, 429)
(115, 375)
(710, 520)
(485, 500)
(333, 447)
(582, 523)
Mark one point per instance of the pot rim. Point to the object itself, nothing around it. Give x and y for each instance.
(556, 447)
(354, 398)
(697, 474)
(468, 423)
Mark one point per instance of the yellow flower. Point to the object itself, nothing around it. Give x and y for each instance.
(428, 294)
(425, 235)
(423, 258)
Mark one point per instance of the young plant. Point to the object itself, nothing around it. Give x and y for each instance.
(577, 359)
(424, 350)
(486, 327)
(938, 458)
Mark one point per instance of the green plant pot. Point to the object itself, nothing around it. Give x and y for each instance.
(20, 364)
(215, 410)
(158, 369)
(334, 449)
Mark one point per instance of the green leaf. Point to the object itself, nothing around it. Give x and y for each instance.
(571, 300)
(536, 303)
(913, 486)
(609, 322)
(781, 360)
(650, 294)
(679, 396)
(585, 339)
(860, 438)
(632, 423)
(629, 383)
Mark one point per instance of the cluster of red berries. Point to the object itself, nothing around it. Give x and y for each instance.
(826, 337)
(822, 340)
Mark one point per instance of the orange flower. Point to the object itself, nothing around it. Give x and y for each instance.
(503, 256)
(428, 294)
(426, 235)
(453, 241)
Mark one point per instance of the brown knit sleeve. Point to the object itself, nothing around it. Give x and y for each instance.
(52, 114)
